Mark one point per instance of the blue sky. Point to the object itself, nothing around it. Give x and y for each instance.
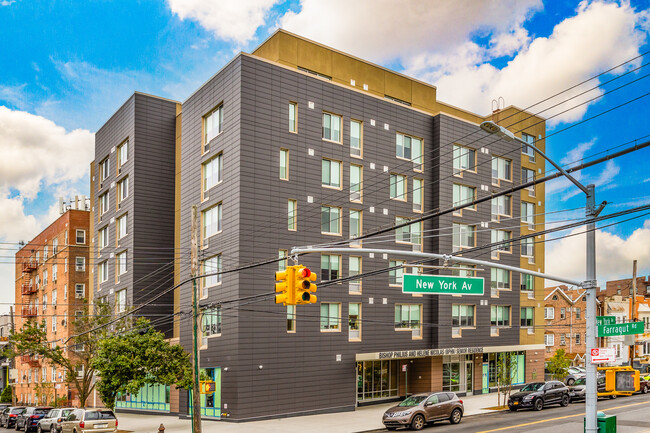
(71, 64)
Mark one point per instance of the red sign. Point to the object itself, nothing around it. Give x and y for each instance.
(603, 354)
(403, 367)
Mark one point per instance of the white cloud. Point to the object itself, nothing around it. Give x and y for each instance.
(614, 255)
(604, 33)
(34, 150)
(236, 21)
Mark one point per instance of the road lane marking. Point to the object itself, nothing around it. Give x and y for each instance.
(558, 418)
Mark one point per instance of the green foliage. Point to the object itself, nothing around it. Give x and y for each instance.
(128, 361)
(559, 365)
(506, 372)
(5, 397)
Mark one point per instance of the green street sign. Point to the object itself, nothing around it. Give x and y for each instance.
(605, 320)
(442, 285)
(629, 328)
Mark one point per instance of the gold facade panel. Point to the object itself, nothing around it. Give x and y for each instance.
(423, 97)
(397, 86)
(314, 57)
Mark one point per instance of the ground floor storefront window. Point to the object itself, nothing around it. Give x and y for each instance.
(458, 373)
(377, 379)
(210, 403)
(514, 364)
(149, 397)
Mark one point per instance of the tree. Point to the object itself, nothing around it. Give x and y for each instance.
(558, 365)
(141, 356)
(505, 372)
(76, 354)
(5, 397)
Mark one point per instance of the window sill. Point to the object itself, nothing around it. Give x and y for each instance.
(354, 340)
(403, 200)
(356, 156)
(330, 330)
(336, 188)
(330, 234)
(331, 141)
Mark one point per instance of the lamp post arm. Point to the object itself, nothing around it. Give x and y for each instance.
(560, 169)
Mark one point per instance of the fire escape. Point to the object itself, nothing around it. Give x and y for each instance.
(28, 287)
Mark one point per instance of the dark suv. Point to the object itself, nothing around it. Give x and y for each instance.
(29, 419)
(9, 415)
(540, 394)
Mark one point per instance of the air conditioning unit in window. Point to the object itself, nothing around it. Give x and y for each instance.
(63, 322)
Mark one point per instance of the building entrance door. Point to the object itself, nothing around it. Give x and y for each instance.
(458, 373)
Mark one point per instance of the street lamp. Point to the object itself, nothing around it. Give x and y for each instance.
(591, 212)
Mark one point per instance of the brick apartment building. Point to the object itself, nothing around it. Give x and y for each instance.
(565, 325)
(51, 285)
(300, 144)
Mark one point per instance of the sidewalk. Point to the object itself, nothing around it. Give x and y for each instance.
(362, 419)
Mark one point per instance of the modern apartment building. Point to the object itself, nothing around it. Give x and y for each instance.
(299, 144)
(52, 274)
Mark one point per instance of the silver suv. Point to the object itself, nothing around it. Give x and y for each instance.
(419, 409)
(52, 421)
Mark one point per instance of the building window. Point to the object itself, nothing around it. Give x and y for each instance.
(211, 323)
(331, 173)
(330, 221)
(501, 170)
(578, 339)
(55, 246)
(549, 340)
(395, 276)
(356, 179)
(408, 147)
(123, 189)
(527, 283)
(462, 195)
(210, 266)
(291, 318)
(463, 236)
(122, 229)
(330, 266)
(527, 317)
(122, 153)
(562, 313)
(410, 234)
(292, 215)
(45, 253)
(398, 187)
(418, 194)
(120, 301)
(500, 278)
(293, 117)
(549, 313)
(354, 269)
(103, 237)
(356, 223)
(462, 270)
(104, 169)
(54, 297)
(121, 260)
(500, 316)
(562, 340)
(356, 138)
(528, 213)
(527, 150)
(284, 164)
(79, 291)
(498, 236)
(282, 264)
(103, 203)
(464, 159)
(501, 206)
(578, 313)
(212, 124)
(528, 247)
(354, 321)
(80, 264)
(332, 127)
(102, 270)
(330, 316)
(211, 221)
(528, 175)
(53, 330)
(462, 316)
(212, 170)
(408, 316)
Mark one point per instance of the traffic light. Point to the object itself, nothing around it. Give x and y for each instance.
(304, 287)
(286, 285)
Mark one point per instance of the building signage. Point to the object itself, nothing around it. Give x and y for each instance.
(605, 320)
(429, 352)
(600, 355)
(620, 329)
(442, 285)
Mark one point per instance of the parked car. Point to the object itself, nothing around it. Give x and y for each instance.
(419, 409)
(9, 415)
(28, 420)
(643, 385)
(578, 391)
(536, 395)
(574, 373)
(90, 420)
(52, 421)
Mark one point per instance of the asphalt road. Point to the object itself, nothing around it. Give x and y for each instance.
(633, 416)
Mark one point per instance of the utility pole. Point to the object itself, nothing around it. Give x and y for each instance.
(13, 359)
(633, 313)
(196, 396)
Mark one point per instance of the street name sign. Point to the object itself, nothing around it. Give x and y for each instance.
(605, 320)
(620, 329)
(600, 355)
(442, 285)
